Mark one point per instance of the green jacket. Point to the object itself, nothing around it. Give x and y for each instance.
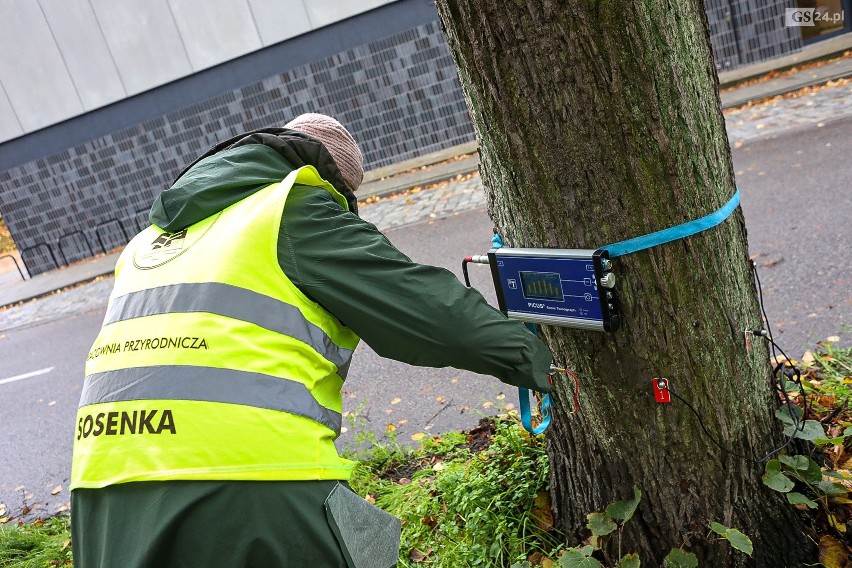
(418, 314)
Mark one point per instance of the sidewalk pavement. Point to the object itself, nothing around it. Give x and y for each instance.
(463, 159)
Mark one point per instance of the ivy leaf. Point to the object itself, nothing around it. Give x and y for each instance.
(600, 524)
(826, 441)
(811, 430)
(629, 561)
(795, 498)
(739, 541)
(795, 462)
(573, 558)
(624, 509)
(777, 481)
(679, 558)
(783, 414)
(830, 488)
(718, 528)
(814, 473)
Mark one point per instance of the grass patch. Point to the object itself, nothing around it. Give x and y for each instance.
(40, 544)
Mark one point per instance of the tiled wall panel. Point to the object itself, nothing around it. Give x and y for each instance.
(400, 97)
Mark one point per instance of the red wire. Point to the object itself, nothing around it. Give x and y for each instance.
(576, 386)
(576, 391)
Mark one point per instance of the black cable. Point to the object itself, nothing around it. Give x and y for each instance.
(464, 271)
(709, 435)
(779, 374)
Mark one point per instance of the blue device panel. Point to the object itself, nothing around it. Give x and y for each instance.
(552, 286)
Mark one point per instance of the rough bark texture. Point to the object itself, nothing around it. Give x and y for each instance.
(597, 122)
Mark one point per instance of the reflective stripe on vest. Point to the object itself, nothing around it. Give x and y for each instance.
(207, 384)
(233, 302)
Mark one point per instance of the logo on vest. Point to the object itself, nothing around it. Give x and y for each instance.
(164, 248)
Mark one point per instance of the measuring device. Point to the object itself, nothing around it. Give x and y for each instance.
(564, 287)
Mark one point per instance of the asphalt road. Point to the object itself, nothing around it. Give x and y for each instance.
(797, 202)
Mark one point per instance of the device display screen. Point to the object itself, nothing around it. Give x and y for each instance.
(542, 285)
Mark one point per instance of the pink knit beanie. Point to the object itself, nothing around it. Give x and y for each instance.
(337, 140)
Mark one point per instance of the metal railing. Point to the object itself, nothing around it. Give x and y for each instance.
(34, 247)
(71, 234)
(104, 224)
(15, 260)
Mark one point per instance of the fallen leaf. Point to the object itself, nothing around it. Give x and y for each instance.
(2, 509)
(397, 400)
(56, 490)
(19, 488)
(4, 520)
(343, 429)
(65, 545)
(51, 403)
(832, 339)
(487, 404)
(440, 399)
(390, 428)
(417, 556)
(403, 421)
(454, 381)
(808, 358)
(370, 499)
(836, 524)
(832, 554)
(418, 436)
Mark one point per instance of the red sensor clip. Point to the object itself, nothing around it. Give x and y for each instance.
(661, 390)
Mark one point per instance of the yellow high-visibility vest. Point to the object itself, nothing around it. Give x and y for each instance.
(211, 364)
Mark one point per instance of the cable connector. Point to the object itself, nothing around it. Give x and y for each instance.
(661, 390)
(749, 333)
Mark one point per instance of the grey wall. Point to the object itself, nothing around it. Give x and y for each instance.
(63, 58)
(84, 185)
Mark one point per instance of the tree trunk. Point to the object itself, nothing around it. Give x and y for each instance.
(598, 122)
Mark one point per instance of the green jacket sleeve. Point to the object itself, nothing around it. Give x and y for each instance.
(418, 314)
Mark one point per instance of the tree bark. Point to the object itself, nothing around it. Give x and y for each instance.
(598, 122)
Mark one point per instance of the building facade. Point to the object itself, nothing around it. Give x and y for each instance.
(102, 106)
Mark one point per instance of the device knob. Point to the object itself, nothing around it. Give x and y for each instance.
(608, 280)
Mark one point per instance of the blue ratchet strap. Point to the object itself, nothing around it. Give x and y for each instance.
(524, 394)
(674, 233)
